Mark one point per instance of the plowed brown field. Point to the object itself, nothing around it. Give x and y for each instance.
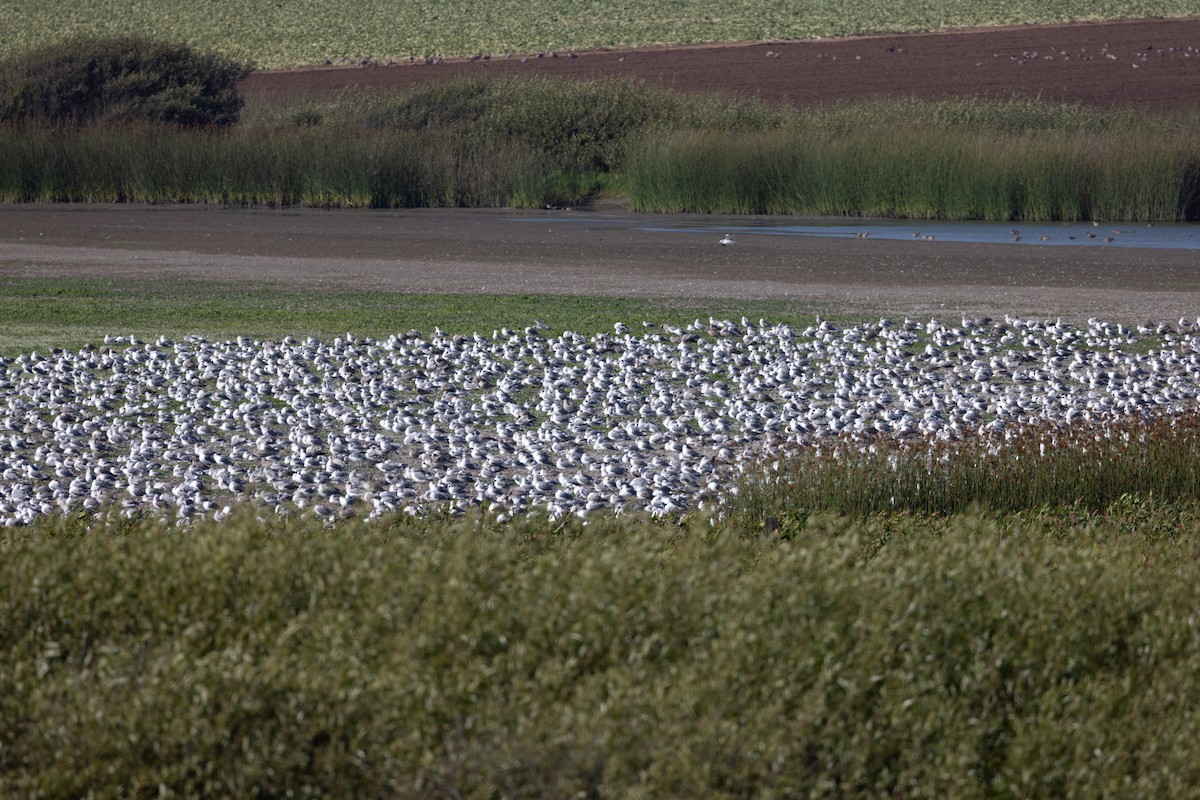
(1145, 63)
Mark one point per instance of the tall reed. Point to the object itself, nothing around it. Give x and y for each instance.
(482, 142)
(280, 167)
(918, 172)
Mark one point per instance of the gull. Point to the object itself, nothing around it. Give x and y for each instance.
(394, 426)
(728, 240)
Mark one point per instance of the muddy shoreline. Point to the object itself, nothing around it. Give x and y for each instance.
(594, 253)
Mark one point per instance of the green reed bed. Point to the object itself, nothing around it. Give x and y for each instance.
(1086, 466)
(471, 142)
(958, 159)
(935, 173)
(278, 168)
(899, 656)
(532, 143)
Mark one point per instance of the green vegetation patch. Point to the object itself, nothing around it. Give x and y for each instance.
(963, 657)
(39, 314)
(1081, 468)
(537, 143)
(960, 159)
(472, 142)
(120, 79)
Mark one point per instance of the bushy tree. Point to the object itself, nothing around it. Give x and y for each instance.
(122, 79)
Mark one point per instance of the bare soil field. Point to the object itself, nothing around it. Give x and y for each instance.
(1145, 63)
(607, 251)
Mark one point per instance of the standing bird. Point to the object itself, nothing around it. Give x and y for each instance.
(728, 240)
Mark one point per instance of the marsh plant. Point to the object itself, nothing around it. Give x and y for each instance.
(926, 161)
(542, 142)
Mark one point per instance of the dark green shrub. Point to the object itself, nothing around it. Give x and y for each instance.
(121, 79)
(580, 125)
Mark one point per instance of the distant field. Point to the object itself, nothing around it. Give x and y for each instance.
(277, 34)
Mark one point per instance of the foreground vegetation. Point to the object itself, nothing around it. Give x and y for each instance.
(314, 31)
(974, 655)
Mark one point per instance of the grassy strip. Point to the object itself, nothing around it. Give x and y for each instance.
(313, 31)
(895, 656)
(39, 314)
(540, 143)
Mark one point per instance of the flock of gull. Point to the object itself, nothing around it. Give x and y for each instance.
(660, 419)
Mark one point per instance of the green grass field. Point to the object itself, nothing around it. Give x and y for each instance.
(39, 314)
(312, 31)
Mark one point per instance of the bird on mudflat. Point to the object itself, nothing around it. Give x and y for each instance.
(728, 240)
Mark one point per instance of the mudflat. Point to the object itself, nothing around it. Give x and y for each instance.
(599, 252)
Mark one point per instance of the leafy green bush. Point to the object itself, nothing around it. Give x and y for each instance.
(121, 79)
(580, 125)
(896, 657)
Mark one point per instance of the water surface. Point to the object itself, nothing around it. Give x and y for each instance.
(1169, 236)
